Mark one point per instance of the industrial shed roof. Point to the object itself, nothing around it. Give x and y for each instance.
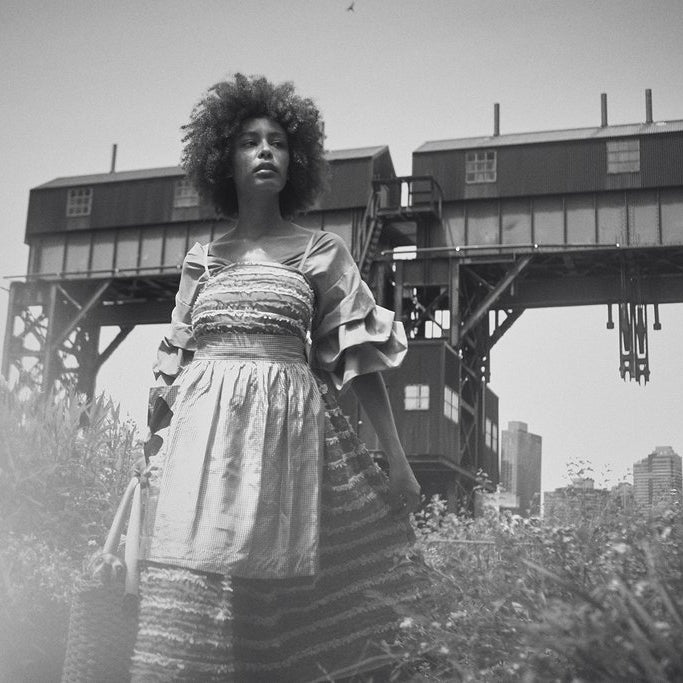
(171, 171)
(117, 176)
(598, 132)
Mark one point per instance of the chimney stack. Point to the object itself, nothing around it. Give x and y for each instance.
(113, 159)
(496, 119)
(603, 109)
(648, 106)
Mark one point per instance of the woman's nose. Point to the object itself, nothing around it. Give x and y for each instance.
(265, 150)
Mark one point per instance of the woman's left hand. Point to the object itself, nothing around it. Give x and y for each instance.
(404, 491)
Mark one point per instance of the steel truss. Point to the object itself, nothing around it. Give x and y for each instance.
(53, 329)
(469, 293)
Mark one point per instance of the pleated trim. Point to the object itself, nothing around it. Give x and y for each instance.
(175, 664)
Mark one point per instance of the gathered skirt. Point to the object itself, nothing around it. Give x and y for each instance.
(239, 489)
(341, 621)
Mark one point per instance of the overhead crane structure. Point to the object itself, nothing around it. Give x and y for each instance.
(483, 229)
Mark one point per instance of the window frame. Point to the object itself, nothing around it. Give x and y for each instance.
(481, 166)
(185, 195)
(416, 400)
(451, 404)
(79, 202)
(491, 434)
(623, 156)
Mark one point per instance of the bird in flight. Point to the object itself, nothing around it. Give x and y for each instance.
(350, 7)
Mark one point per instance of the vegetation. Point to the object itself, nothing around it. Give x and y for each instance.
(506, 598)
(63, 466)
(514, 599)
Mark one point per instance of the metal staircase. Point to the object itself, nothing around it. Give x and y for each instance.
(406, 199)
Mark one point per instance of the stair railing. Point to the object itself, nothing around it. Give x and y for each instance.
(366, 229)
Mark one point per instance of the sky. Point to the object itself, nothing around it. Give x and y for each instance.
(79, 76)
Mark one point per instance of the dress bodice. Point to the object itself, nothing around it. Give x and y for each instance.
(254, 297)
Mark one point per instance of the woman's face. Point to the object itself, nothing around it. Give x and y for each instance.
(261, 157)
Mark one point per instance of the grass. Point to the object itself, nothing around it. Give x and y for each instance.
(502, 599)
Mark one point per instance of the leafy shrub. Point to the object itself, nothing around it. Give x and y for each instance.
(63, 466)
(524, 599)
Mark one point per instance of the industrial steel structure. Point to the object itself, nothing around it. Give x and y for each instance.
(484, 229)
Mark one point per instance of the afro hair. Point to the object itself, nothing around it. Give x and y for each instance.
(216, 121)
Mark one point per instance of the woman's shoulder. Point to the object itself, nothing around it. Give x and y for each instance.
(325, 243)
(195, 257)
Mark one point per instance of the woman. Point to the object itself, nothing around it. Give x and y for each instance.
(271, 546)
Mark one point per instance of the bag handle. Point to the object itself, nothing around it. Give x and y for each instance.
(111, 545)
(131, 504)
(132, 550)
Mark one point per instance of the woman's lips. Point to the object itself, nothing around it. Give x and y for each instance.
(267, 168)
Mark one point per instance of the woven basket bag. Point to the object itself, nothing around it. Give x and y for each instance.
(103, 618)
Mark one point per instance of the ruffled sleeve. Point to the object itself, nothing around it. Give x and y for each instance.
(351, 334)
(178, 346)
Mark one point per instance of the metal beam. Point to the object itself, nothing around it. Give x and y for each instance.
(9, 329)
(49, 350)
(548, 292)
(71, 325)
(495, 294)
(113, 345)
(454, 301)
(501, 329)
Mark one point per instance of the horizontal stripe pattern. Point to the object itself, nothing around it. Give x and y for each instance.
(185, 627)
(296, 630)
(255, 298)
(343, 620)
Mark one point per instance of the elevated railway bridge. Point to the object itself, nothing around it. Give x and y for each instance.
(483, 229)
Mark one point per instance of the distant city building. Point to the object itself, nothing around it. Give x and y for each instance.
(583, 483)
(579, 500)
(622, 493)
(520, 468)
(656, 476)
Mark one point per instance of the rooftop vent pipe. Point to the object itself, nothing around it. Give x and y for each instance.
(496, 119)
(648, 106)
(113, 159)
(603, 109)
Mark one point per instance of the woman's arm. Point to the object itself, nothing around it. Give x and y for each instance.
(372, 394)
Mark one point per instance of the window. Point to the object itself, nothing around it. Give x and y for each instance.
(434, 329)
(491, 434)
(79, 202)
(416, 397)
(480, 167)
(451, 404)
(623, 156)
(185, 195)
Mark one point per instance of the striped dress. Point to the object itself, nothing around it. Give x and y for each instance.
(271, 552)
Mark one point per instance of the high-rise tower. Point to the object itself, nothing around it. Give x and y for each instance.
(657, 475)
(520, 469)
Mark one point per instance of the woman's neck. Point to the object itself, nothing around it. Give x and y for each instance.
(258, 218)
